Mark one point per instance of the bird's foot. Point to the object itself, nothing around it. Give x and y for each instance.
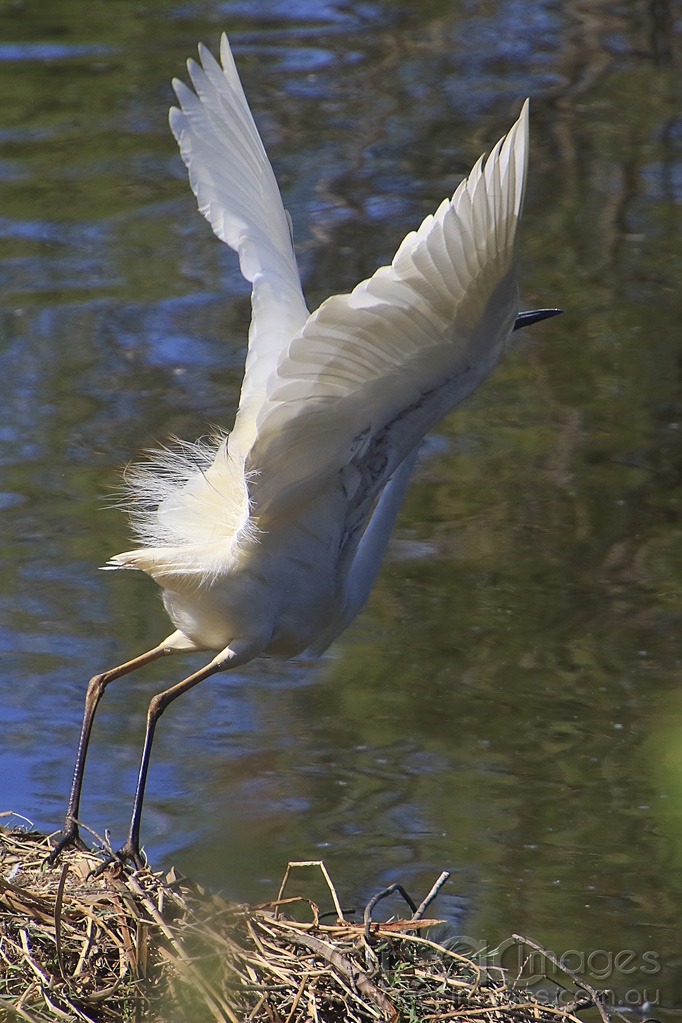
(128, 854)
(70, 839)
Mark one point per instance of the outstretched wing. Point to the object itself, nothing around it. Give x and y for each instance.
(190, 503)
(235, 186)
(372, 371)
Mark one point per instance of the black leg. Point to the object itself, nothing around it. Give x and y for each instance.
(131, 849)
(96, 687)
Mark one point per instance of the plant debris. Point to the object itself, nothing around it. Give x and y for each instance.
(126, 946)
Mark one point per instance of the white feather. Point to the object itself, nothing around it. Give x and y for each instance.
(235, 186)
(264, 535)
(424, 330)
(189, 505)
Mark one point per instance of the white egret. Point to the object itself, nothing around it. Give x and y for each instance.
(268, 540)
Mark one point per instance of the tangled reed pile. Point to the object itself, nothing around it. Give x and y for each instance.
(132, 946)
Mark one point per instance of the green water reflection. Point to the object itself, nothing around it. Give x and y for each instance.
(508, 704)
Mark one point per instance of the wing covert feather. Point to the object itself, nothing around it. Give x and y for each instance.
(371, 371)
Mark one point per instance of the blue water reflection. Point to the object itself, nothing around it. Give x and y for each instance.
(507, 705)
(51, 51)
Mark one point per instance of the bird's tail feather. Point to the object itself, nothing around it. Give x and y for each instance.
(189, 506)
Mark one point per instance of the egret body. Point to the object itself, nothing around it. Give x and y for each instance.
(268, 540)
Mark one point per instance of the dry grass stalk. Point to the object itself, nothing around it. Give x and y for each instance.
(125, 947)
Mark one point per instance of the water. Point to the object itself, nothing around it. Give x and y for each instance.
(508, 706)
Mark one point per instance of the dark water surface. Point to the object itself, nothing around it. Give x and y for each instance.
(509, 704)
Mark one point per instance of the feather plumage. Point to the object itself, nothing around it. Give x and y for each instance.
(189, 506)
(340, 397)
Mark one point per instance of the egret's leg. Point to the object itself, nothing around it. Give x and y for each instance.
(227, 659)
(96, 687)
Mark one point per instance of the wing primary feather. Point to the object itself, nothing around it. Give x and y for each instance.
(236, 190)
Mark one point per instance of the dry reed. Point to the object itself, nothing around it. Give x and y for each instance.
(128, 946)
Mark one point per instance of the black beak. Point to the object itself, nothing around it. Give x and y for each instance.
(534, 316)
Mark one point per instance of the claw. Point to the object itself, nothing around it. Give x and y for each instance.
(70, 839)
(132, 853)
(110, 861)
(118, 860)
